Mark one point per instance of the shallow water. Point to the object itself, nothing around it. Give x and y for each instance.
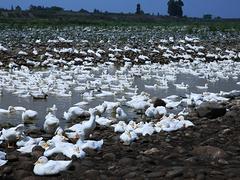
(64, 103)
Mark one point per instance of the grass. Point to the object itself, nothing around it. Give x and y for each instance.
(191, 24)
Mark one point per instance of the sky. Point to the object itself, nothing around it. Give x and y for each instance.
(192, 8)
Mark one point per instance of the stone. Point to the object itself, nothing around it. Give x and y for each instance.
(7, 170)
(175, 172)
(37, 152)
(209, 152)
(158, 102)
(20, 174)
(151, 151)
(91, 174)
(211, 110)
(126, 161)
(156, 174)
(109, 157)
(12, 157)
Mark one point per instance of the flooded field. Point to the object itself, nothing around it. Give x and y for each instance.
(119, 96)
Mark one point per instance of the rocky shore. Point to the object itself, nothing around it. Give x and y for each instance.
(209, 150)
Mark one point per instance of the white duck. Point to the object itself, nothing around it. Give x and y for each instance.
(91, 144)
(103, 121)
(75, 113)
(119, 127)
(3, 160)
(144, 129)
(67, 149)
(45, 167)
(10, 109)
(51, 123)
(128, 137)
(85, 128)
(11, 135)
(121, 115)
(28, 116)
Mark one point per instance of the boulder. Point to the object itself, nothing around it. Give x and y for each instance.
(211, 110)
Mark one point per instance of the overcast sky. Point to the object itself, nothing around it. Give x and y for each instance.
(193, 8)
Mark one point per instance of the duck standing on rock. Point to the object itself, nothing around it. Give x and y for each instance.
(45, 167)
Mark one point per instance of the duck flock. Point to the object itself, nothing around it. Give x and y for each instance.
(124, 77)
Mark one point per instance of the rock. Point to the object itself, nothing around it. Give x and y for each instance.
(211, 110)
(131, 175)
(37, 152)
(175, 172)
(60, 156)
(26, 165)
(7, 170)
(126, 161)
(156, 174)
(151, 151)
(20, 174)
(109, 157)
(200, 176)
(12, 157)
(158, 102)
(90, 152)
(91, 174)
(209, 152)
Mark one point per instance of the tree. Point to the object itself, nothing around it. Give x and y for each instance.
(175, 8)
(138, 10)
(207, 16)
(18, 9)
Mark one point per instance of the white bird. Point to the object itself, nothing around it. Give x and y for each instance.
(28, 116)
(85, 128)
(128, 137)
(103, 121)
(146, 128)
(91, 144)
(74, 113)
(67, 149)
(51, 123)
(3, 160)
(45, 167)
(121, 115)
(7, 111)
(119, 127)
(11, 135)
(203, 87)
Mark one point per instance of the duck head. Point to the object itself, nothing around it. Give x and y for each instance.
(41, 160)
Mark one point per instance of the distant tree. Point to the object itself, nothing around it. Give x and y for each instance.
(18, 9)
(83, 11)
(175, 8)
(139, 10)
(96, 11)
(12, 9)
(207, 16)
(56, 8)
